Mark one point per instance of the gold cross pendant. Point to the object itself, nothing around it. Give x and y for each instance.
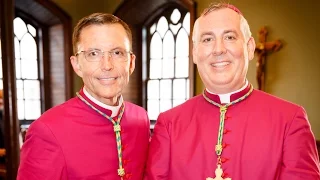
(218, 173)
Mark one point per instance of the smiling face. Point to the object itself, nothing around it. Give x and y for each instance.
(104, 79)
(220, 51)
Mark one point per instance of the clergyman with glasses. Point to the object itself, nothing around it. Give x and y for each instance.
(95, 135)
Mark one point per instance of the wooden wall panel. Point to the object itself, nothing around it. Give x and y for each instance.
(57, 65)
(10, 119)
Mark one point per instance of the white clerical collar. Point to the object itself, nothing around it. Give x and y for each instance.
(225, 98)
(114, 109)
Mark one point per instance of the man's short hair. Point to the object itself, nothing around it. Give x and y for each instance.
(244, 26)
(97, 19)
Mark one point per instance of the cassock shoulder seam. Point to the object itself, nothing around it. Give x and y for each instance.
(299, 110)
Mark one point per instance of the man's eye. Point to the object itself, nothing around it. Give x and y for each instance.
(207, 40)
(93, 53)
(230, 38)
(118, 53)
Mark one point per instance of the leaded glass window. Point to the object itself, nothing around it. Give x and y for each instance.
(168, 74)
(27, 70)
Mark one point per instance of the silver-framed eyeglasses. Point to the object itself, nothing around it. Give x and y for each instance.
(96, 55)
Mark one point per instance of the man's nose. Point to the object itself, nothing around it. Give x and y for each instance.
(219, 47)
(106, 62)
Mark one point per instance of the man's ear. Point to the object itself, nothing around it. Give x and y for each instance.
(251, 46)
(132, 63)
(194, 48)
(195, 40)
(76, 65)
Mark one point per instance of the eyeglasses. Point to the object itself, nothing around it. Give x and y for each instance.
(96, 55)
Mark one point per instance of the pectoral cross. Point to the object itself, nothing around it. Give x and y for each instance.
(218, 173)
(262, 49)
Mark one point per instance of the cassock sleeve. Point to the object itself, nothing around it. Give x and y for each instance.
(300, 157)
(159, 152)
(41, 157)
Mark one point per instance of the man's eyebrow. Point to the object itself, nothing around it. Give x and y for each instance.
(208, 33)
(230, 31)
(119, 48)
(92, 49)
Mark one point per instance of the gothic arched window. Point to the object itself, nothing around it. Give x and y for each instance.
(27, 68)
(168, 77)
(27, 63)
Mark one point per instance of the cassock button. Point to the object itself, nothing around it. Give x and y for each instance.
(224, 145)
(225, 131)
(225, 175)
(227, 118)
(223, 160)
(124, 146)
(127, 176)
(125, 162)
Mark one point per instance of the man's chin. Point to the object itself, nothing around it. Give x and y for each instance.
(110, 95)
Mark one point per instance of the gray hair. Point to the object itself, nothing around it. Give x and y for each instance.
(244, 26)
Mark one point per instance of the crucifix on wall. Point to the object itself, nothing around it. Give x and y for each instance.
(262, 49)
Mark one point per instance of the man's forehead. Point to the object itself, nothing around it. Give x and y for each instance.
(219, 20)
